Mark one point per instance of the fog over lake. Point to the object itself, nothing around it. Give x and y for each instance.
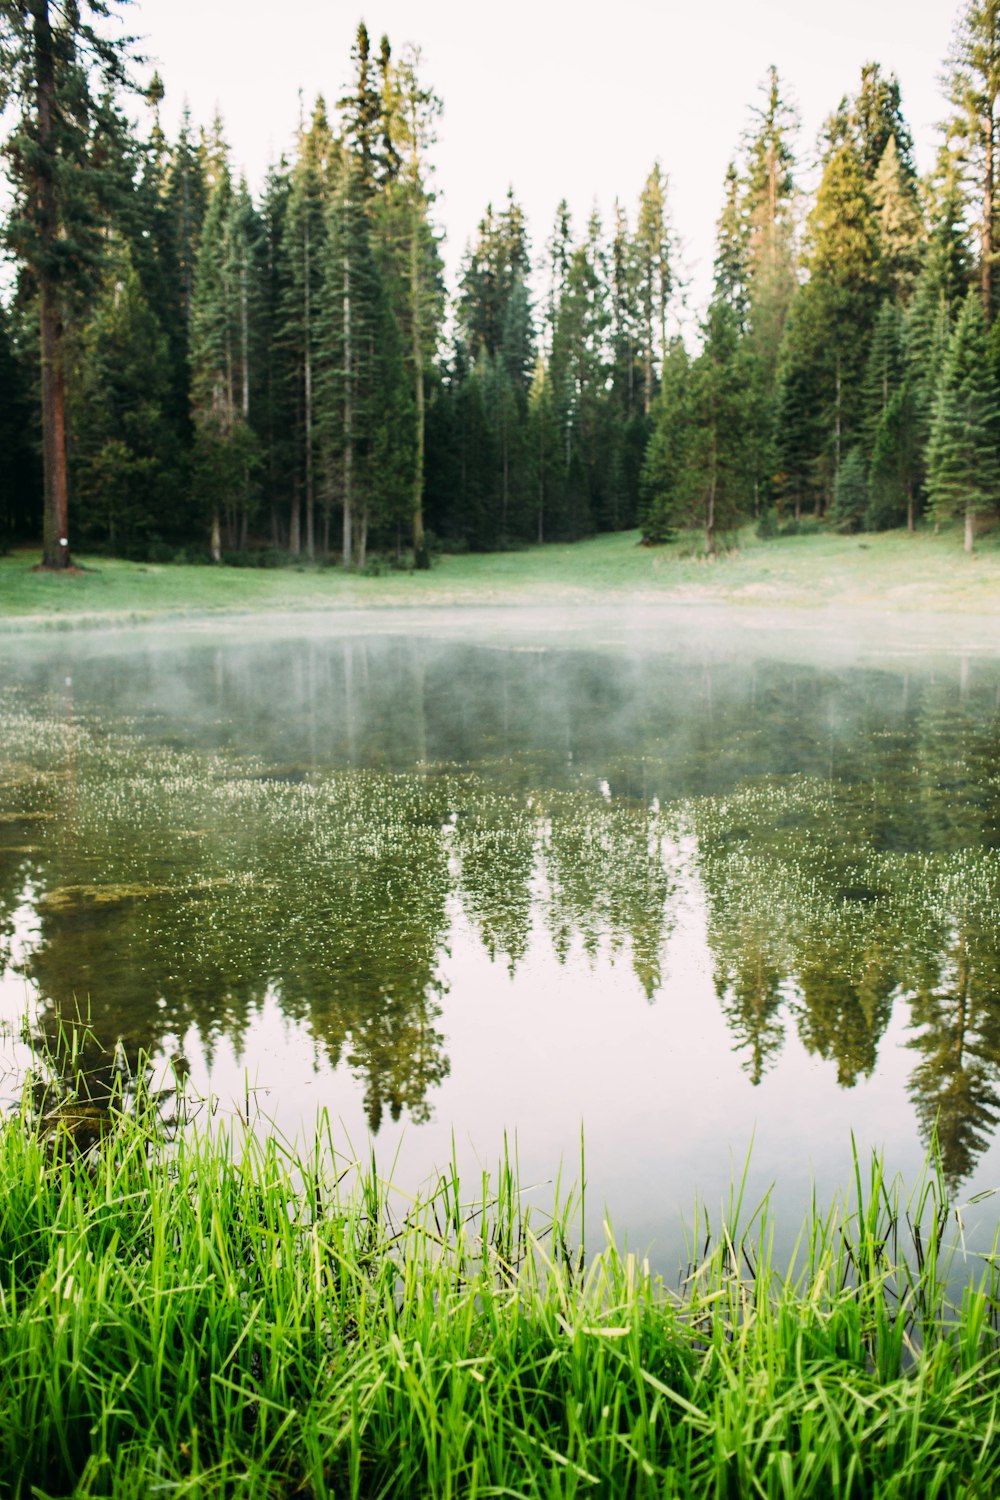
(682, 879)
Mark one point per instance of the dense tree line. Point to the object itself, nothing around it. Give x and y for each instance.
(190, 368)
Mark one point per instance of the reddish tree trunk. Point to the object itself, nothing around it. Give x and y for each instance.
(55, 515)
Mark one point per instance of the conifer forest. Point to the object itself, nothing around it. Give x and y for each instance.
(194, 369)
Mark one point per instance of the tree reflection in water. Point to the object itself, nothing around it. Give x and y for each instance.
(843, 874)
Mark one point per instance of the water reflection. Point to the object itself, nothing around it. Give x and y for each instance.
(298, 825)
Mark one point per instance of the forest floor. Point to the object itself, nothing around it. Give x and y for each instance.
(890, 572)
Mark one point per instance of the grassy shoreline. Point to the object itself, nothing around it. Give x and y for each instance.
(223, 1315)
(890, 572)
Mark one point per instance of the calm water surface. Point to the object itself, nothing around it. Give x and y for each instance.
(679, 886)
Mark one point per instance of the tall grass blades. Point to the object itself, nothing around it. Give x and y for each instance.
(213, 1313)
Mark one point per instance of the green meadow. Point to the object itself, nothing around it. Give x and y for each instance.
(886, 571)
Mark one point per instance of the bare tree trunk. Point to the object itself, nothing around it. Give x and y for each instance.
(55, 514)
(420, 559)
(710, 507)
(363, 540)
(245, 395)
(647, 396)
(541, 485)
(970, 529)
(347, 547)
(310, 497)
(986, 229)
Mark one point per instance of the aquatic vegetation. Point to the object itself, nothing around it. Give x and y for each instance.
(219, 1311)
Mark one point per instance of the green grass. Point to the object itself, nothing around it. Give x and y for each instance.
(221, 1315)
(888, 571)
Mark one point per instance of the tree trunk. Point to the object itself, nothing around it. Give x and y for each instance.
(970, 529)
(910, 518)
(986, 229)
(420, 558)
(307, 310)
(347, 546)
(710, 510)
(363, 540)
(647, 395)
(215, 539)
(55, 515)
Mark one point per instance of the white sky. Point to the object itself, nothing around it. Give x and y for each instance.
(559, 99)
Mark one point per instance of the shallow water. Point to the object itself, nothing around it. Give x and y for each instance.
(679, 884)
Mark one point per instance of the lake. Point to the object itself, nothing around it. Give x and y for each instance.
(692, 883)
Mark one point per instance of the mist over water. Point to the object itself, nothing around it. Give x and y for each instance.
(684, 884)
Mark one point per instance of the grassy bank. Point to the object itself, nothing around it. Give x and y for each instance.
(221, 1317)
(888, 571)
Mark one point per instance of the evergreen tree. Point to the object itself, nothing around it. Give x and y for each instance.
(894, 472)
(20, 483)
(367, 131)
(654, 275)
(185, 198)
(61, 66)
(664, 495)
(496, 322)
(543, 452)
(125, 454)
(974, 91)
(579, 380)
(366, 426)
(767, 212)
(225, 302)
(842, 261)
(876, 119)
(884, 371)
(850, 491)
(963, 465)
(802, 393)
(899, 221)
(314, 174)
(414, 263)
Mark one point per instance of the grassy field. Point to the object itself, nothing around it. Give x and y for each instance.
(223, 1316)
(891, 571)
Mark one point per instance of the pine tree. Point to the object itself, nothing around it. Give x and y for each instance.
(654, 275)
(876, 119)
(801, 398)
(367, 133)
(61, 67)
(900, 224)
(974, 91)
(314, 175)
(366, 428)
(125, 454)
(842, 261)
(894, 471)
(20, 483)
(579, 381)
(718, 481)
(884, 372)
(767, 211)
(496, 322)
(962, 461)
(225, 304)
(850, 491)
(732, 270)
(664, 497)
(543, 448)
(415, 269)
